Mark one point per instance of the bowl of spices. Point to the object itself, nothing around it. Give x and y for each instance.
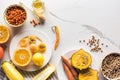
(15, 15)
(110, 67)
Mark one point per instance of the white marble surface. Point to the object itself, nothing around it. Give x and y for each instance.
(70, 15)
(101, 14)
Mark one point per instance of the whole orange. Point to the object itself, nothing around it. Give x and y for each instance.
(1, 52)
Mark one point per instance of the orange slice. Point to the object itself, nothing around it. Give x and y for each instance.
(21, 57)
(4, 34)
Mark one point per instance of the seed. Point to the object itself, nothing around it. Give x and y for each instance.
(80, 41)
(106, 45)
(30, 21)
(93, 43)
(102, 44)
(83, 40)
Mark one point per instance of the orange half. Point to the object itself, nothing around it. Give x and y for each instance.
(4, 34)
(22, 57)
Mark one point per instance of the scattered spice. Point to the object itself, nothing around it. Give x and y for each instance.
(83, 40)
(102, 44)
(94, 44)
(80, 41)
(111, 66)
(34, 22)
(30, 21)
(87, 43)
(42, 19)
(106, 45)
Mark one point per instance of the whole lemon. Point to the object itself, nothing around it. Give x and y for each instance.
(38, 59)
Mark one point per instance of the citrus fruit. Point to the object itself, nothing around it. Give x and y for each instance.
(37, 4)
(32, 39)
(88, 74)
(42, 47)
(1, 52)
(22, 57)
(4, 34)
(33, 48)
(81, 59)
(23, 42)
(38, 59)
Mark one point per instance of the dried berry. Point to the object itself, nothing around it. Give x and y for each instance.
(15, 15)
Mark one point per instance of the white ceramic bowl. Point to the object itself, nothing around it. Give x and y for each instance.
(102, 69)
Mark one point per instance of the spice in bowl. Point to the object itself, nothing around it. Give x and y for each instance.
(15, 15)
(111, 66)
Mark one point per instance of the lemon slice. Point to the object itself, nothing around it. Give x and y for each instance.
(4, 34)
(21, 57)
(81, 59)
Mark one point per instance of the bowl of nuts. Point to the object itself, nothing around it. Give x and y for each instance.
(15, 15)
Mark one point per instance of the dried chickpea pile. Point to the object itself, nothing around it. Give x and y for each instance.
(94, 44)
(16, 15)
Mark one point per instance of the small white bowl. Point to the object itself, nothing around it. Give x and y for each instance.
(5, 13)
